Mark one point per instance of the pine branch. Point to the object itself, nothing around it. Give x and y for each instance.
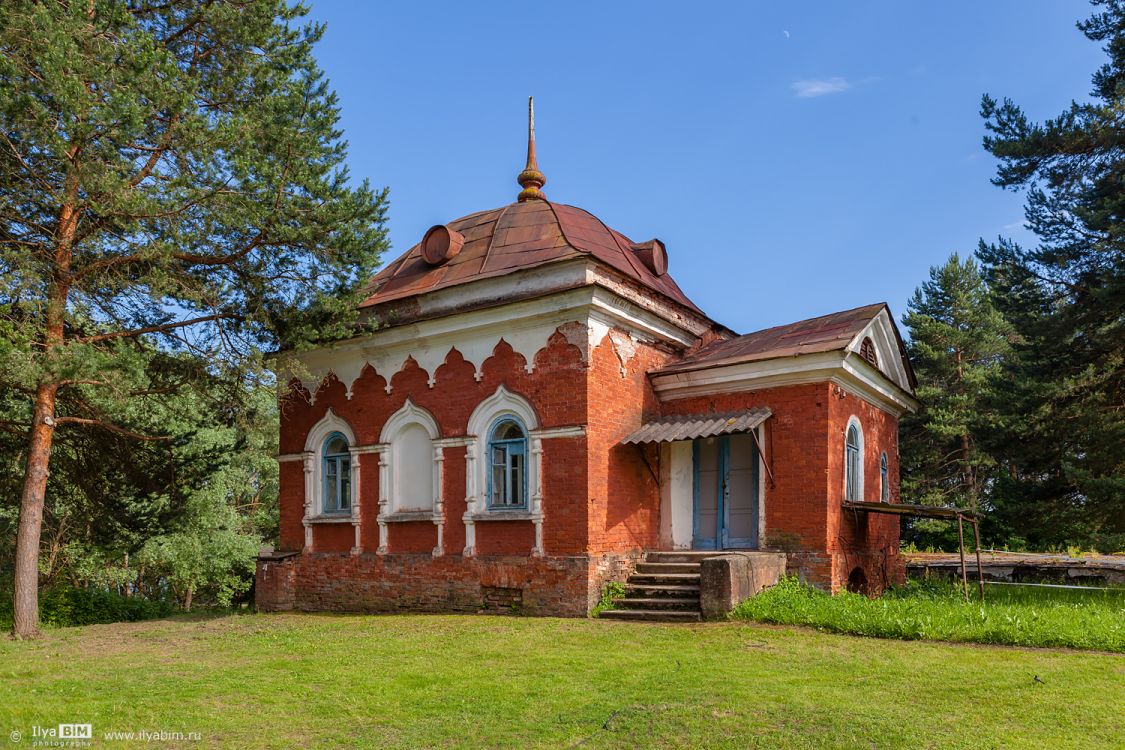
(111, 427)
(151, 329)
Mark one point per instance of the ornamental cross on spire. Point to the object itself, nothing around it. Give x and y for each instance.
(531, 179)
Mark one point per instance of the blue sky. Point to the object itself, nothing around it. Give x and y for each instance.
(796, 158)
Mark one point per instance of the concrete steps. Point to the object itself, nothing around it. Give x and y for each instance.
(664, 588)
(664, 567)
(644, 615)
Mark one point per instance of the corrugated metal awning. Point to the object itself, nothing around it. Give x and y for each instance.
(689, 427)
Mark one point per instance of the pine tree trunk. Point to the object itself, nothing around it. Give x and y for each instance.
(967, 468)
(25, 590)
(966, 449)
(25, 586)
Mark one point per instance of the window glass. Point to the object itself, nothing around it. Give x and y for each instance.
(507, 450)
(852, 489)
(337, 474)
(884, 480)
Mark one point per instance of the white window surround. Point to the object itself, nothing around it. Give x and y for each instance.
(854, 421)
(390, 469)
(314, 478)
(500, 404)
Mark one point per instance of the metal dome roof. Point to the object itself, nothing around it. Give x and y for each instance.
(516, 237)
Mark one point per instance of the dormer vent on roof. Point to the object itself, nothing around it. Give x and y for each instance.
(653, 254)
(441, 244)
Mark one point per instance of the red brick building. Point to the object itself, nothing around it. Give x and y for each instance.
(542, 404)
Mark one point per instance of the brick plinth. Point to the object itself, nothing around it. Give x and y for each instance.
(274, 584)
(556, 586)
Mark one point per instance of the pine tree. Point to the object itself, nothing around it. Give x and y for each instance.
(168, 170)
(957, 344)
(1064, 441)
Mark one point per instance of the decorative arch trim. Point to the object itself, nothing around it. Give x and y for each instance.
(499, 404)
(328, 424)
(407, 414)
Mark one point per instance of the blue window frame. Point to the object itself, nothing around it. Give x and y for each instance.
(507, 458)
(884, 479)
(853, 481)
(337, 474)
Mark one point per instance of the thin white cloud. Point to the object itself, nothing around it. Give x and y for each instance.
(820, 86)
(786, 33)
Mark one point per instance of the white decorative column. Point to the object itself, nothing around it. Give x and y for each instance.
(536, 506)
(384, 499)
(310, 498)
(354, 452)
(439, 505)
(470, 500)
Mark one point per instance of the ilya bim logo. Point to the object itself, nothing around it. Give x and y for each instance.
(61, 735)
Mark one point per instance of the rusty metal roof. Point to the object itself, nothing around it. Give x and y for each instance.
(822, 334)
(517, 237)
(668, 429)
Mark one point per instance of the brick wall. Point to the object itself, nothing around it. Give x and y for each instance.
(796, 447)
(624, 490)
(564, 582)
(868, 541)
(275, 584)
(600, 499)
(556, 389)
(804, 443)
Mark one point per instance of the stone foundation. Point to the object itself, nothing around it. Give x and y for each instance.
(546, 586)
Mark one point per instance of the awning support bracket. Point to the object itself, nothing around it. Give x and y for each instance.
(762, 455)
(648, 465)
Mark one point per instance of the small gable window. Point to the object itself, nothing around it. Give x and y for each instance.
(853, 464)
(884, 479)
(507, 451)
(867, 351)
(337, 474)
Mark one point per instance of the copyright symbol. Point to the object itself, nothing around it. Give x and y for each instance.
(15, 736)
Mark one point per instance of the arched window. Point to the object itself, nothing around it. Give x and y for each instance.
(337, 474)
(853, 463)
(884, 479)
(507, 452)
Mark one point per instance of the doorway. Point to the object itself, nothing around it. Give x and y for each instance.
(725, 486)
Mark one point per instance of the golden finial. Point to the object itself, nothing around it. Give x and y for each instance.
(531, 179)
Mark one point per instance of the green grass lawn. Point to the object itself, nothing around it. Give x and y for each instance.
(296, 680)
(936, 610)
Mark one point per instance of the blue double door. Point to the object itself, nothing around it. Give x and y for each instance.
(725, 493)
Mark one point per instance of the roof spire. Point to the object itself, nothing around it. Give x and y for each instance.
(531, 179)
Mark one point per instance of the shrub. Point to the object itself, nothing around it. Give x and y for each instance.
(66, 606)
(613, 591)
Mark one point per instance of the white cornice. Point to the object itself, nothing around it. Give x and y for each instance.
(844, 368)
(525, 325)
